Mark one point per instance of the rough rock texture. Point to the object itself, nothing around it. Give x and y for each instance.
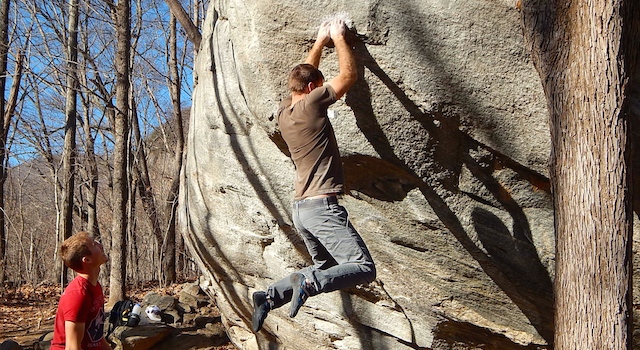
(445, 142)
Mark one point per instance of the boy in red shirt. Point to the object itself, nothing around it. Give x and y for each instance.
(79, 321)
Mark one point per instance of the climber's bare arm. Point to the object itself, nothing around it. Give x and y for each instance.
(346, 60)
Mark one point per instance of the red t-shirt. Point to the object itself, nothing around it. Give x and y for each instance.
(81, 302)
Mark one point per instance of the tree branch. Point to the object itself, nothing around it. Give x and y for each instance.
(193, 34)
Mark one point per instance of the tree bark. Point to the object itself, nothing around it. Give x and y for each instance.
(169, 247)
(586, 53)
(12, 101)
(4, 50)
(120, 155)
(71, 106)
(91, 165)
(8, 109)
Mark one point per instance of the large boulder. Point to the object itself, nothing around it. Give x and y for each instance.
(445, 142)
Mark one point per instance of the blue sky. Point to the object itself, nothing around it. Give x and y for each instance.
(41, 111)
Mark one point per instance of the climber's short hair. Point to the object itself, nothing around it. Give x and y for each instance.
(303, 74)
(74, 248)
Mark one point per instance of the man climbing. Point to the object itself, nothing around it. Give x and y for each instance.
(341, 259)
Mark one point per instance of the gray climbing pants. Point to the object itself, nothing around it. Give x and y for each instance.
(340, 257)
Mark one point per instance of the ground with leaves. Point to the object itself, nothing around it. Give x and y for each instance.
(27, 312)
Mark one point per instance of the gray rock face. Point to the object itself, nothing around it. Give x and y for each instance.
(445, 142)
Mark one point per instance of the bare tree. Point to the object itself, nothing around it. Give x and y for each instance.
(8, 109)
(108, 110)
(153, 189)
(120, 164)
(143, 182)
(90, 183)
(44, 124)
(4, 50)
(47, 91)
(69, 151)
(169, 256)
(588, 54)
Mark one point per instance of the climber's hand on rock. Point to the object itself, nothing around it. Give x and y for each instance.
(337, 28)
(324, 34)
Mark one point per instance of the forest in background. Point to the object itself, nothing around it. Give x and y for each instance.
(95, 105)
(30, 201)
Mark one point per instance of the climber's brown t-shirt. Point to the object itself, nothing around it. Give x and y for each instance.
(309, 135)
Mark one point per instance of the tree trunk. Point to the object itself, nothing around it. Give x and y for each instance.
(120, 155)
(4, 50)
(169, 247)
(69, 151)
(132, 251)
(586, 52)
(8, 109)
(91, 186)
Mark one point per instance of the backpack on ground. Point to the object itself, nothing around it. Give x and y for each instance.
(119, 315)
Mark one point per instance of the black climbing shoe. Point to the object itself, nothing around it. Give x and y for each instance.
(261, 307)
